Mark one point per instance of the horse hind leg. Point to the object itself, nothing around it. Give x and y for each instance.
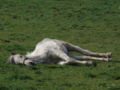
(72, 47)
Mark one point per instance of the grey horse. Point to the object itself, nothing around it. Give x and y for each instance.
(53, 51)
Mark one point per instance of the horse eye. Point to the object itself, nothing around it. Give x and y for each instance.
(26, 58)
(20, 56)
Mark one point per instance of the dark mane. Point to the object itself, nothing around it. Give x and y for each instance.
(11, 60)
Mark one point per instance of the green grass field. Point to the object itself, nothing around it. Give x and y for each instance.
(91, 24)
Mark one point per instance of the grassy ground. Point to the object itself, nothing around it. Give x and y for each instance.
(91, 24)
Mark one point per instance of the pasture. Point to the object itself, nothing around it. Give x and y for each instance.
(91, 24)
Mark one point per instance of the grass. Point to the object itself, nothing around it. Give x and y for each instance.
(91, 24)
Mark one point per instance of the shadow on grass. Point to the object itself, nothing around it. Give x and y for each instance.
(115, 61)
(55, 66)
(75, 64)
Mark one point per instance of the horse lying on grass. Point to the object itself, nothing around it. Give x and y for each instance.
(52, 51)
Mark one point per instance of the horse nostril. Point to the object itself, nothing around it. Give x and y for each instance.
(31, 63)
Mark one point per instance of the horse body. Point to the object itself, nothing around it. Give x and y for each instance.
(45, 51)
(57, 51)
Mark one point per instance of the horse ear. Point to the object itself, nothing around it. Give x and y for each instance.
(13, 53)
